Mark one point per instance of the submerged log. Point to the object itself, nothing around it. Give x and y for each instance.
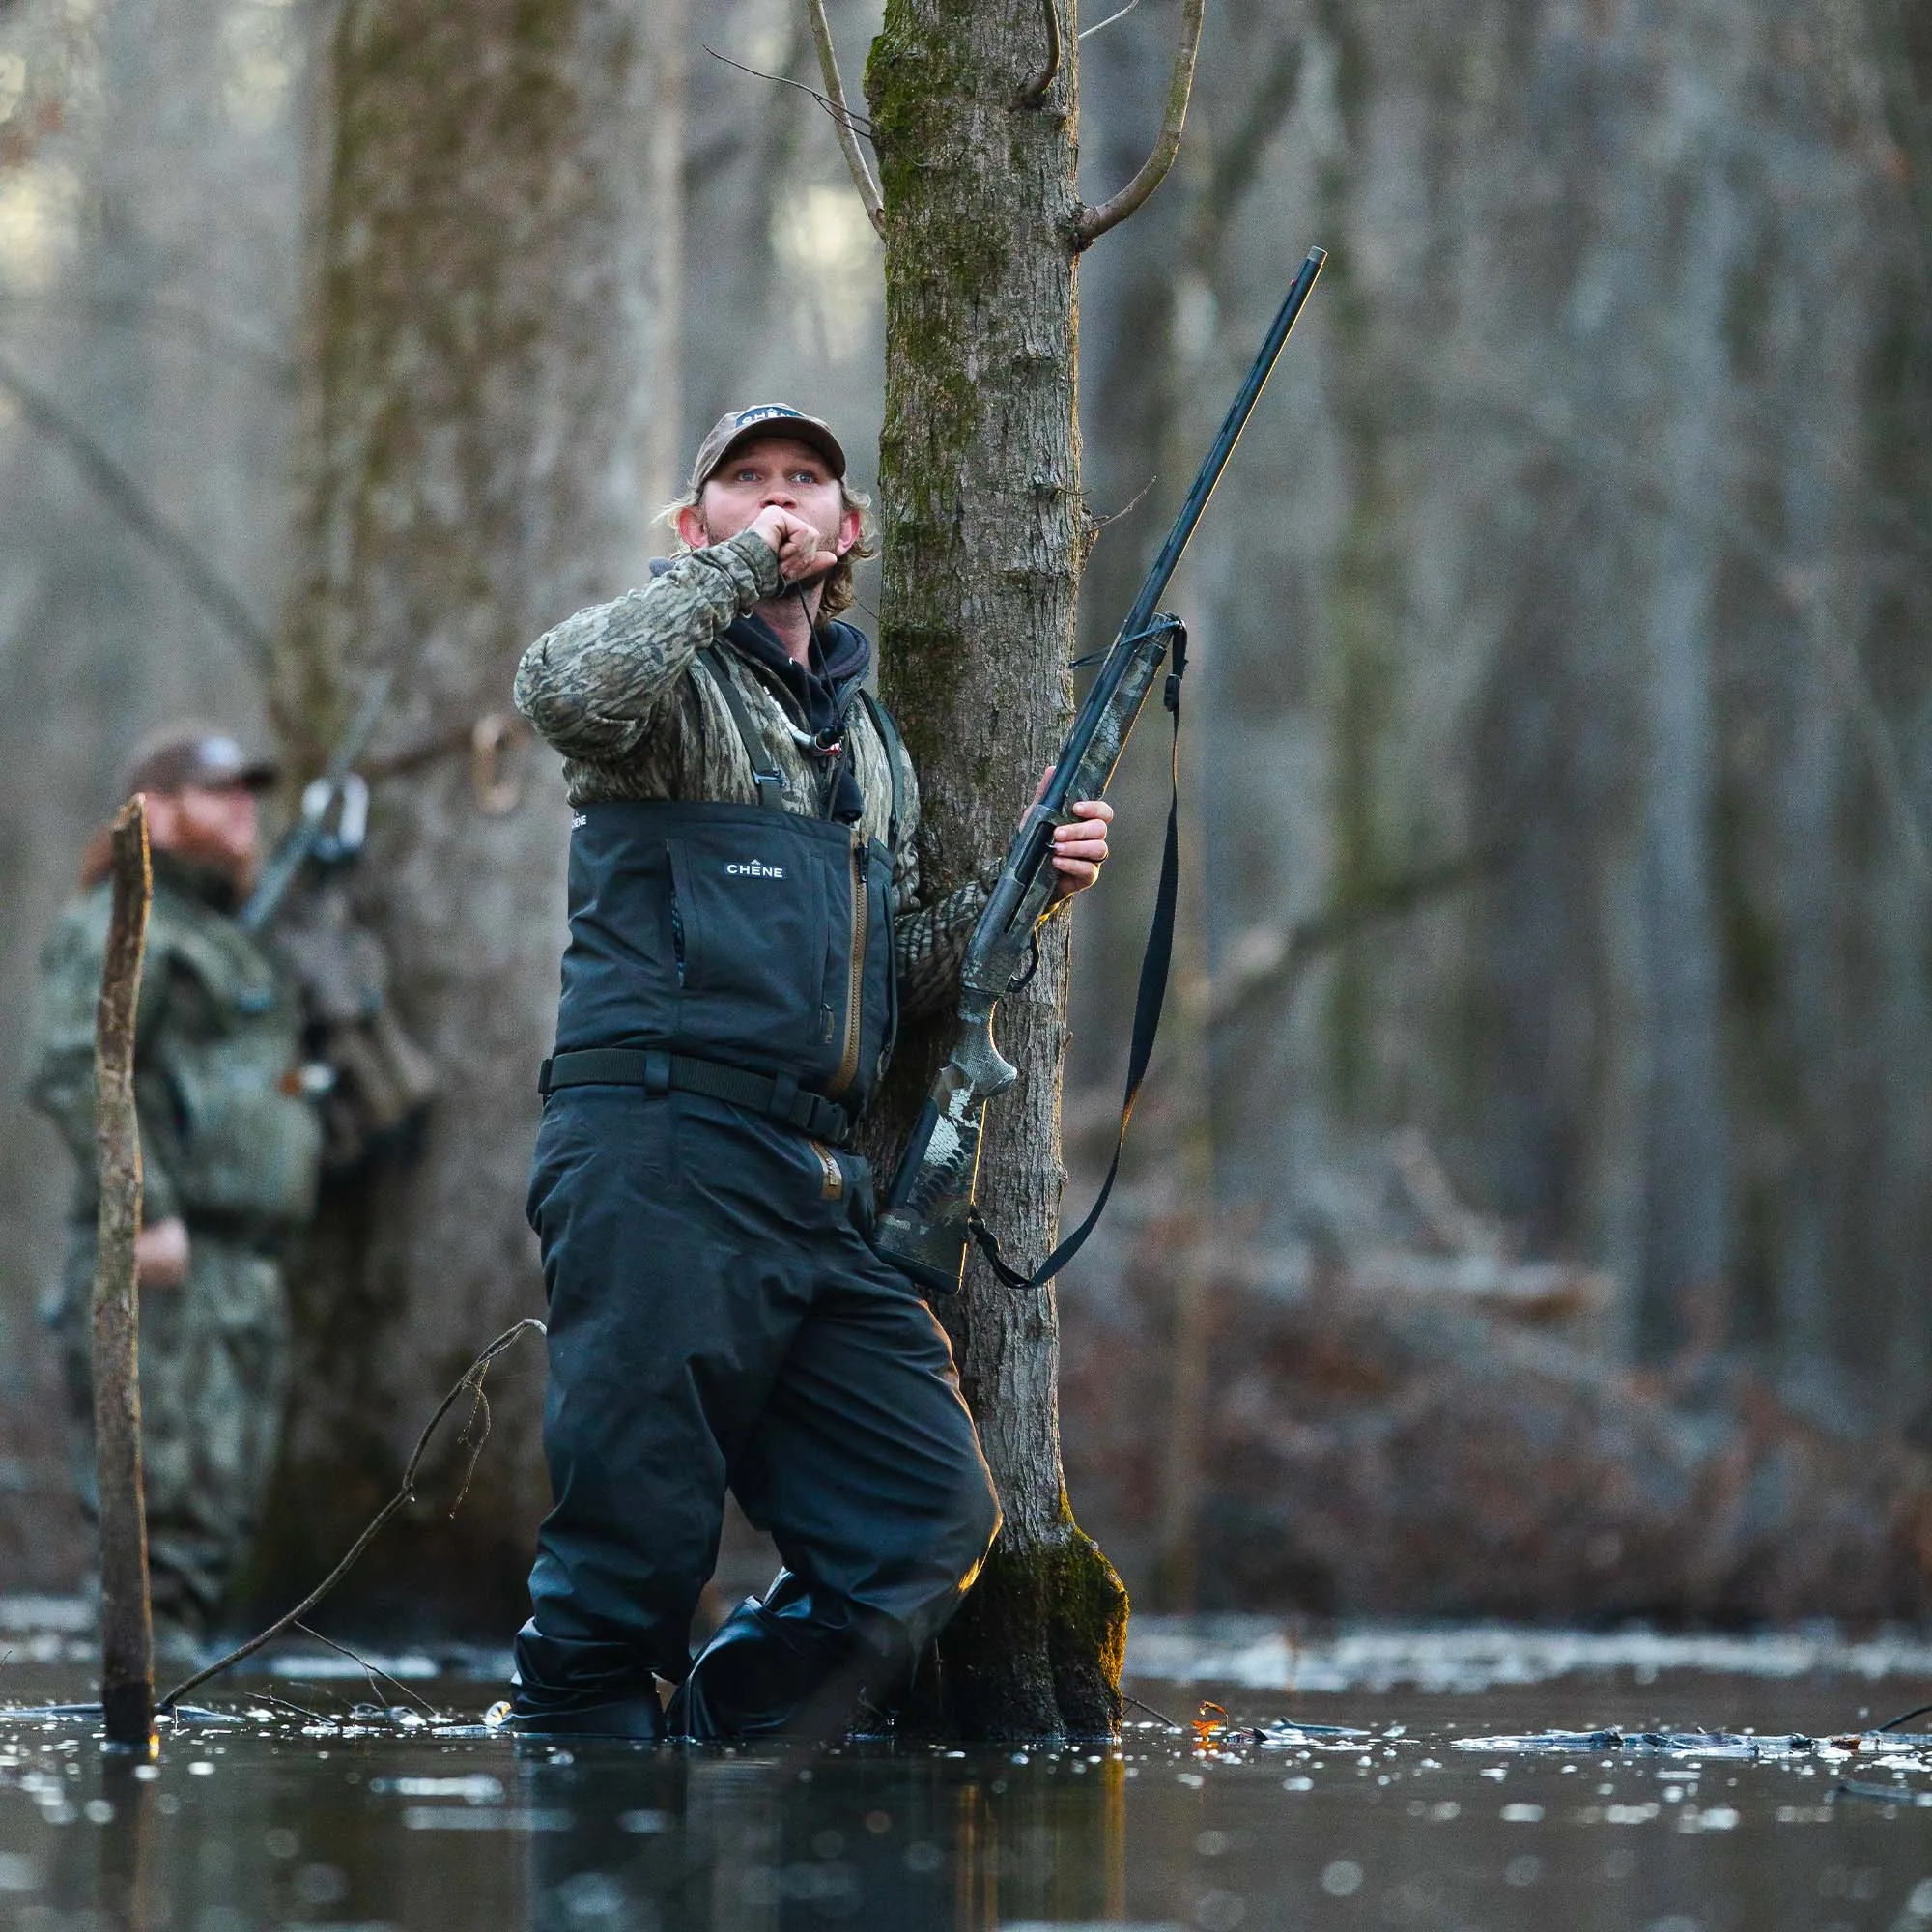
(127, 1623)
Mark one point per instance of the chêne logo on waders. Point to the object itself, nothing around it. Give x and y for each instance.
(753, 869)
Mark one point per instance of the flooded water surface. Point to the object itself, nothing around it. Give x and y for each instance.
(1373, 1779)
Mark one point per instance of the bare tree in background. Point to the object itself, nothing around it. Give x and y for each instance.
(488, 377)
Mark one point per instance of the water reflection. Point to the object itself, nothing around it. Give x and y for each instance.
(773, 1843)
(122, 1883)
(1697, 1801)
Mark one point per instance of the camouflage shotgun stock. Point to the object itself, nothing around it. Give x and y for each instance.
(929, 1214)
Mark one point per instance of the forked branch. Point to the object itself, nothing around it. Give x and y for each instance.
(870, 196)
(472, 1379)
(1094, 222)
(1035, 92)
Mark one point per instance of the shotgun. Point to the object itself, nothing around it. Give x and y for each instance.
(929, 1215)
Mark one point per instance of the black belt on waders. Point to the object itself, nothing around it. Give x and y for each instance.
(657, 1072)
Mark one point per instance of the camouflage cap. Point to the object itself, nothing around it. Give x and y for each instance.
(736, 426)
(190, 753)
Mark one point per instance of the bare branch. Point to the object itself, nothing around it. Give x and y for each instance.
(837, 109)
(127, 1623)
(1269, 958)
(870, 196)
(1036, 90)
(124, 496)
(1118, 14)
(1094, 222)
(1095, 525)
(470, 1379)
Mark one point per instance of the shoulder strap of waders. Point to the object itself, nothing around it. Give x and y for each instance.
(1154, 963)
(889, 737)
(767, 780)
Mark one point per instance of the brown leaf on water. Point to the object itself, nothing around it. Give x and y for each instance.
(1208, 1729)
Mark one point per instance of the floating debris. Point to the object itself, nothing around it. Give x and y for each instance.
(1284, 1735)
(1681, 1744)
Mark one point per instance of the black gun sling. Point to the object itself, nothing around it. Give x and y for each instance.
(1148, 1000)
(659, 1073)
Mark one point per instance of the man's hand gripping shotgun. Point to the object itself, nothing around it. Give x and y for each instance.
(929, 1215)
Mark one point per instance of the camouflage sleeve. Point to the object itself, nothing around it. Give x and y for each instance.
(930, 941)
(931, 946)
(60, 1078)
(606, 679)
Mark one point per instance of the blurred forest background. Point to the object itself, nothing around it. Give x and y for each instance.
(1532, 1208)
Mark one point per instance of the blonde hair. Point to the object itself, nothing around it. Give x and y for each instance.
(837, 591)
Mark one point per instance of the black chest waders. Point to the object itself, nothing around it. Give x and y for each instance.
(739, 951)
(717, 1317)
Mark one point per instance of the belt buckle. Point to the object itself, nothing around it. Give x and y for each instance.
(784, 1102)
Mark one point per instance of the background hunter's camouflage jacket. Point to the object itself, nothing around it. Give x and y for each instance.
(616, 688)
(227, 1140)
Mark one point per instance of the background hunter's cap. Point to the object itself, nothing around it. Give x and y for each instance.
(738, 426)
(188, 754)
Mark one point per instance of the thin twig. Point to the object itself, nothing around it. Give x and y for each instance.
(1127, 508)
(288, 1704)
(1127, 1697)
(479, 1407)
(1094, 222)
(126, 498)
(1035, 92)
(834, 108)
(1120, 14)
(368, 1669)
(870, 197)
(405, 1495)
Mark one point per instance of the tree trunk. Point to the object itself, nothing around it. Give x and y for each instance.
(494, 280)
(984, 533)
(1683, 1297)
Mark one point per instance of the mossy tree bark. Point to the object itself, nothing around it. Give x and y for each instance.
(984, 534)
(494, 266)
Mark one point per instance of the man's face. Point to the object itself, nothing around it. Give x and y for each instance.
(770, 470)
(216, 826)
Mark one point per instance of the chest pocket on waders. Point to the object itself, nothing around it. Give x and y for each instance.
(757, 899)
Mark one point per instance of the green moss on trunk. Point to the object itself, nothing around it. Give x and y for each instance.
(1035, 1652)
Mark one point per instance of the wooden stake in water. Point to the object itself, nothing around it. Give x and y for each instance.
(126, 1620)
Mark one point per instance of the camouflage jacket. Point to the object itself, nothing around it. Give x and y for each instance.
(618, 691)
(226, 1139)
